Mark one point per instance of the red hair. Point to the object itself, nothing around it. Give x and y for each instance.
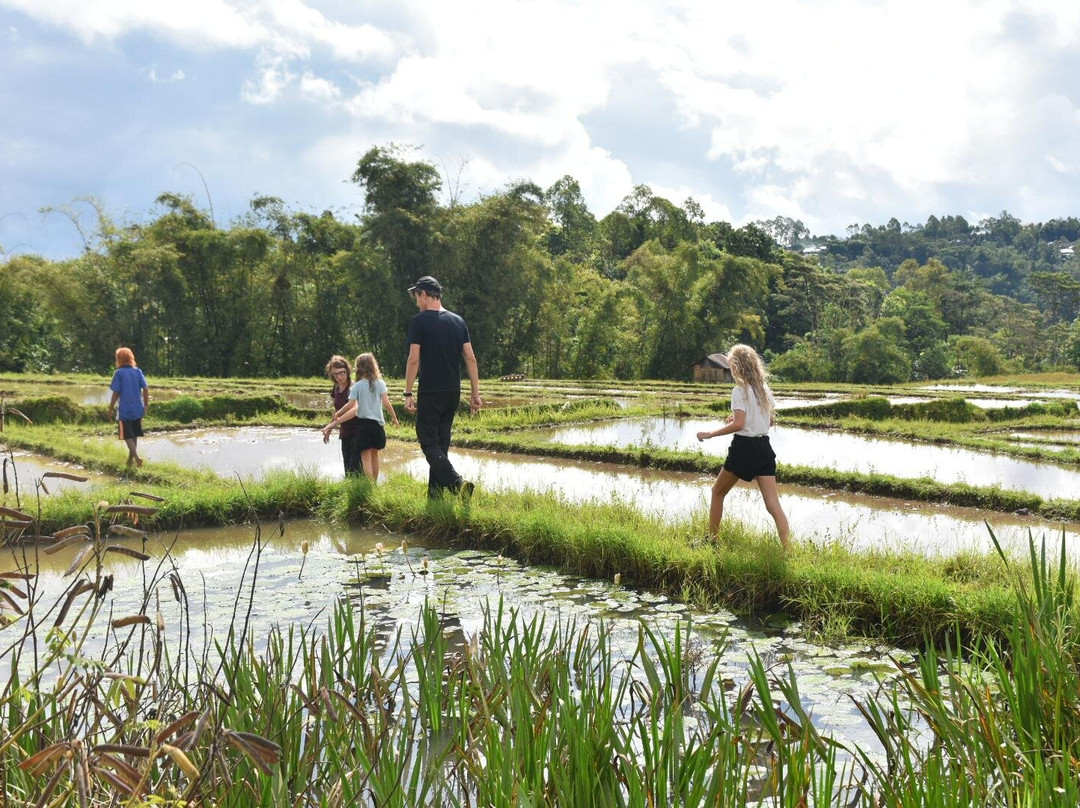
(125, 358)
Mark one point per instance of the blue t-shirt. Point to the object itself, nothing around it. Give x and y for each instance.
(129, 382)
(368, 401)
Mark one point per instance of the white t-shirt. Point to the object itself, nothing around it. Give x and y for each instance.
(368, 401)
(757, 417)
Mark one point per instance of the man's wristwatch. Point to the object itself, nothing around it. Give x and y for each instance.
(407, 394)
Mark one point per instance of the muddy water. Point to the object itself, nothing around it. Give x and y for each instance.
(393, 584)
(248, 451)
(1048, 436)
(788, 403)
(1004, 390)
(28, 472)
(94, 394)
(837, 450)
(860, 521)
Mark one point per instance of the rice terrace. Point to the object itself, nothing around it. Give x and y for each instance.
(236, 623)
(539, 405)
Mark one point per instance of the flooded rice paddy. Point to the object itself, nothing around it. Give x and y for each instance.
(856, 520)
(372, 569)
(836, 450)
(23, 473)
(999, 389)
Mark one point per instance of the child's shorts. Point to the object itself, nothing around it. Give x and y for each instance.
(751, 457)
(370, 434)
(130, 429)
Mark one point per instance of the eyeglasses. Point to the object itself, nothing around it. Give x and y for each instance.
(339, 372)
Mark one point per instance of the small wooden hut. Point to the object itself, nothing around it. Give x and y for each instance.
(712, 368)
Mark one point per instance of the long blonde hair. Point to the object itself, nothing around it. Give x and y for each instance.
(367, 367)
(749, 371)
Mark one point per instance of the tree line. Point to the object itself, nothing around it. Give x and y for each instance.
(547, 288)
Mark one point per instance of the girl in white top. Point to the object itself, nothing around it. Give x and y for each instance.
(367, 400)
(751, 456)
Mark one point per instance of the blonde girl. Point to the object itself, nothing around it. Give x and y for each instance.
(367, 400)
(751, 456)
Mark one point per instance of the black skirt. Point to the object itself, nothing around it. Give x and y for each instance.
(751, 457)
(370, 434)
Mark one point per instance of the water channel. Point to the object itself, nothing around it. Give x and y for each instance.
(819, 515)
(372, 569)
(835, 450)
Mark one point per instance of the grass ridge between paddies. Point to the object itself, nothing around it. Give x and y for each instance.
(901, 598)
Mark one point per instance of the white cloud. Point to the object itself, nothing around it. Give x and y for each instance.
(1060, 166)
(172, 78)
(270, 83)
(319, 89)
(212, 22)
(831, 111)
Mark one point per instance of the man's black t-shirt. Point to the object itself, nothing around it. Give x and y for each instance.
(440, 335)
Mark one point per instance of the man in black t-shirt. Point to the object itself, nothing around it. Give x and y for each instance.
(438, 340)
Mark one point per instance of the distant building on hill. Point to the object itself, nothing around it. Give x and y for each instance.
(712, 368)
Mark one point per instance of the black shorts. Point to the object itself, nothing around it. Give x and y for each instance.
(370, 434)
(751, 457)
(130, 429)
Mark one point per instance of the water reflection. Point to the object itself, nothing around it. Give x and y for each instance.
(248, 451)
(860, 521)
(1003, 390)
(837, 450)
(1047, 436)
(26, 471)
(393, 584)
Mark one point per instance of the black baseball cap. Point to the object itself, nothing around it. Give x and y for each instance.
(426, 284)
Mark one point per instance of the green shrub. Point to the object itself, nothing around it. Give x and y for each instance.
(217, 408)
(56, 409)
(873, 407)
(950, 410)
(184, 409)
(1061, 409)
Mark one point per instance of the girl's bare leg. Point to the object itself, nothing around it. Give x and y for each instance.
(369, 458)
(725, 481)
(767, 486)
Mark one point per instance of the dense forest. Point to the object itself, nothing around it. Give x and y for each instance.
(548, 289)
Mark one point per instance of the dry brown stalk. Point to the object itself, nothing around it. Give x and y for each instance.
(80, 557)
(69, 540)
(37, 763)
(144, 510)
(74, 530)
(180, 759)
(128, 551)
(130, 620)
(81, 588)
(144, 495)
(63, 475)
(176, 726)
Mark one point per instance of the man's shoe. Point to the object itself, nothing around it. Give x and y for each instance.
(467, 489)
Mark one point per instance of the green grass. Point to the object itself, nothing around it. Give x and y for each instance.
(903, 598)
(526, 712)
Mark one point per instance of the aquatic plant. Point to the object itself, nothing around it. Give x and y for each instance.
(531, 710)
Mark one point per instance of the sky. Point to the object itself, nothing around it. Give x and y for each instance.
(834, 112)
